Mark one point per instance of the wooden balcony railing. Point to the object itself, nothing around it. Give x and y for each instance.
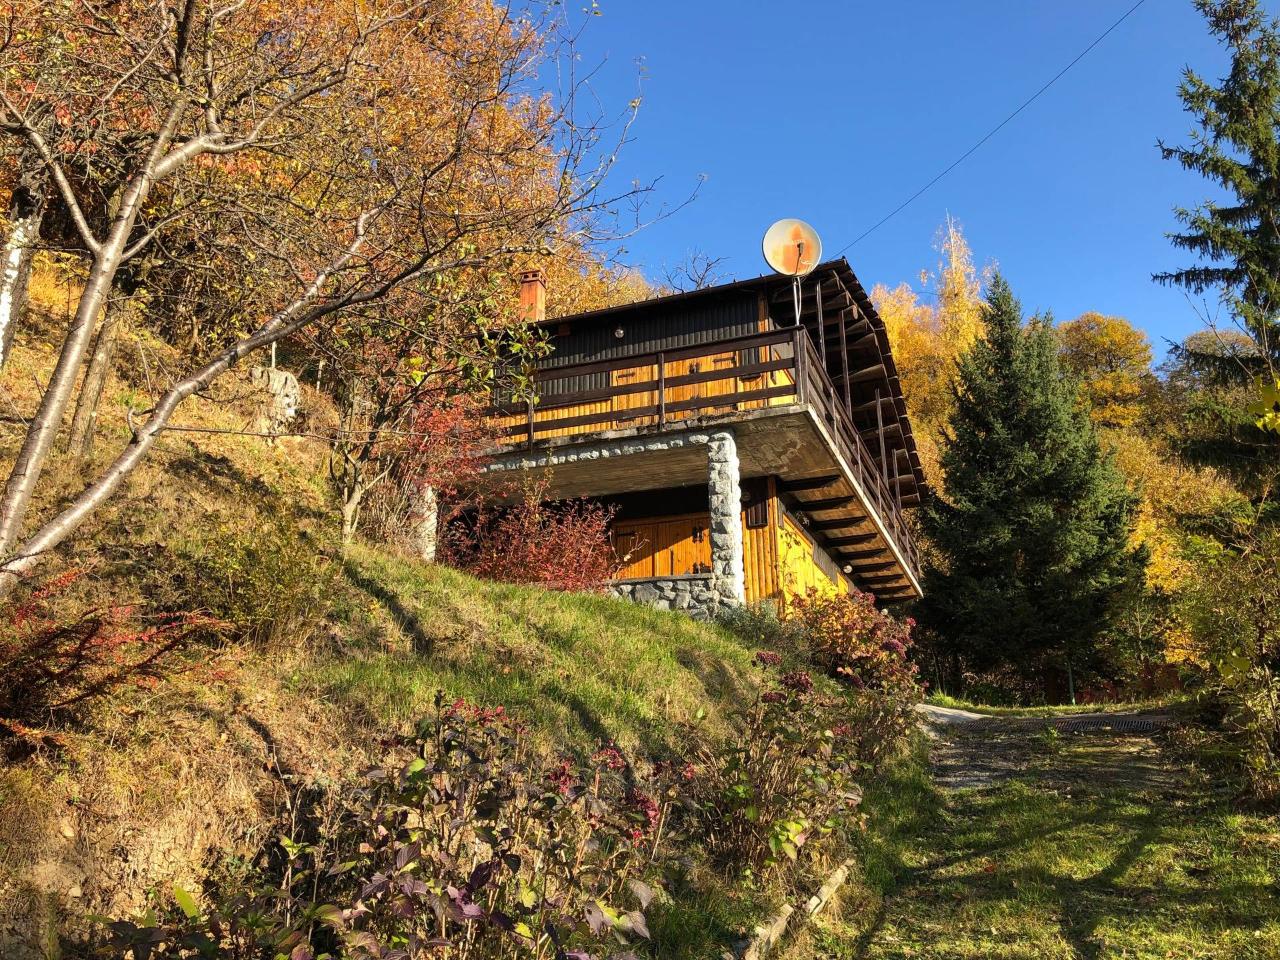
(820, 393)
(667, 387)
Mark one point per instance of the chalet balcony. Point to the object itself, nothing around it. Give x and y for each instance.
(813, 407)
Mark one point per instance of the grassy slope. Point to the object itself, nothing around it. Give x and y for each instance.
(581, 669)
(1027, 870)
(155, 785)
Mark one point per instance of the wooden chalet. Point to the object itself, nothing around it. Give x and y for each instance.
(749, 457)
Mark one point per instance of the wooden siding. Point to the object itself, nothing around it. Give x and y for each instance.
(760, 551)
(802, 564)
(648, 330)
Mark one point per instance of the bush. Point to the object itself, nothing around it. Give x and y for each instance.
(785, 778)
(54, 660)
(267, 583)
(869, 651)
(760, 624)
(466, 850)
(564, 546)
(1232, 607)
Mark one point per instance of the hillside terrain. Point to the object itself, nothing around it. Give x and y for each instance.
(316, 659)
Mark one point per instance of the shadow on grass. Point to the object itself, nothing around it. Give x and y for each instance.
(1094, 870)
(407, 620)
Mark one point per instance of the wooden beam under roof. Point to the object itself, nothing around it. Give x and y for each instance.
(831, 503)
(837, 524)
(864, 341)
(866, 374)
(863, 568)
(892, 427)
(852, 541)
(870, 405)
(859, 554)
(884, 578)
(809, 483)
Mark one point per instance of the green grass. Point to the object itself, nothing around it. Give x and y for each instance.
(578, 669)
(1029, 870)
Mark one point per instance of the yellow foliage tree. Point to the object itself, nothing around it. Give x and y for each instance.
(1165, 485)
(1112, 360)
(927, 339)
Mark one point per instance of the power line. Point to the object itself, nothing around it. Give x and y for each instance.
(992, 132)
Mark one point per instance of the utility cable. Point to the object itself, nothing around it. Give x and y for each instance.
(992, 132)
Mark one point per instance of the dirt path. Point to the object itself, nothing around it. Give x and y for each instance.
(1075, 837)
(972, 750)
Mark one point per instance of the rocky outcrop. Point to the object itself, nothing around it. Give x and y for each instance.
(283, 401)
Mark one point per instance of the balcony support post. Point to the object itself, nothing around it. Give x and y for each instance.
(724, 481)
(800, 368)
(822, 332)
(884, 460)
(844, 364)
(662, 389)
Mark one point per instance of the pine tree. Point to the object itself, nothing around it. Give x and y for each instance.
(1032, 533)
(1237, 146)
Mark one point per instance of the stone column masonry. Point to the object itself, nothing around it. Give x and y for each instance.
(724, 481)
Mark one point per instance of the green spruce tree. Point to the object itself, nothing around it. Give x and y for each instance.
(1031, 535)
(1236, 145)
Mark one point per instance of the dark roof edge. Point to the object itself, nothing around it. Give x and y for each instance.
(764, 281)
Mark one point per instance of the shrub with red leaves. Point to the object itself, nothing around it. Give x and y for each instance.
(853, 641)
(52, 661)
(868, 650)
(564, 546)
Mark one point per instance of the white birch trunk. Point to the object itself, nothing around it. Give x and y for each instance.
(15, 269)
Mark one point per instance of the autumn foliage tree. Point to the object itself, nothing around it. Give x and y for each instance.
(1111, 359)
(928, 338)
(345, 152)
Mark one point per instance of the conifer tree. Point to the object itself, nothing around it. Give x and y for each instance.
(1236, 145)
(1032, 531)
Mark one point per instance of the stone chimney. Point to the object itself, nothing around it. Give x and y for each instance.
(533, 296)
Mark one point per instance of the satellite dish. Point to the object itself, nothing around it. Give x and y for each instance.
(792, 248)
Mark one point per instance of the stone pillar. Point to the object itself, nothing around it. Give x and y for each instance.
(425, 523)
(728, 571)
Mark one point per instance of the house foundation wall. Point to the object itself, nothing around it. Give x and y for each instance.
(695, 595)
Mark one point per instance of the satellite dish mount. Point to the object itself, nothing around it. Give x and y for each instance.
(793, 249)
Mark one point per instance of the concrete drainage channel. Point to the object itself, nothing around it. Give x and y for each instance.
(770, 933)
(1100, 723)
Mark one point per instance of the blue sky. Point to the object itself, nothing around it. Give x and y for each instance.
(835, 112)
